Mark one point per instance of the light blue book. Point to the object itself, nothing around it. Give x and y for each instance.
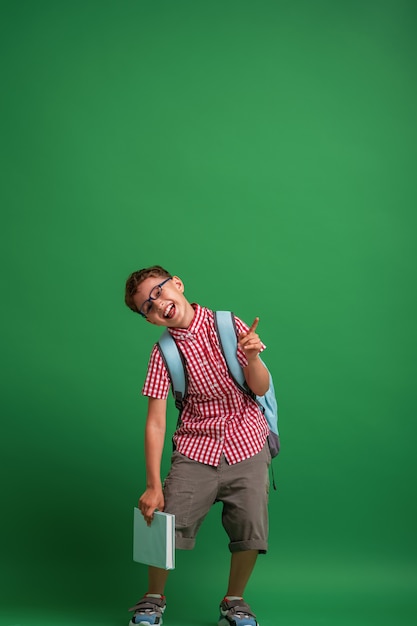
(154, 544)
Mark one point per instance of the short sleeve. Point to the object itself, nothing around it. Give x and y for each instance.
(157, 381)
(241, 327)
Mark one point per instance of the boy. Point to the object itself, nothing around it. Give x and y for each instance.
(221, 451)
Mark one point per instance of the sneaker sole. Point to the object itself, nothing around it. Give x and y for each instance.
(225, 622)
(146, 623)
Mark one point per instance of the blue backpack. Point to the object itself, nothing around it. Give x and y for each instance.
(227, 334)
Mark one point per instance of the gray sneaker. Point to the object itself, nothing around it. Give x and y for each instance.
(236, 613)
(148, 611)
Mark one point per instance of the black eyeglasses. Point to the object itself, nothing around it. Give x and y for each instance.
(156, 291)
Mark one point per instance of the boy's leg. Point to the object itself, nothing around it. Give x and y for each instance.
(245, 519)
(189, 491)
(233, 609)
(149, 610)
(241, 567)
(157, 578)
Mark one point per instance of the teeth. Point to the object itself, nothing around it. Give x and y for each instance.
(168, 310)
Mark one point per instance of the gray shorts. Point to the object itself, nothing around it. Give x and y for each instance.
(191, 488)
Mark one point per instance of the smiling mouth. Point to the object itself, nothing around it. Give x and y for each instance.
(169, 311)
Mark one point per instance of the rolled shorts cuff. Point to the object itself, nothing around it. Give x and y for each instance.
(184, 543)
(250, 544)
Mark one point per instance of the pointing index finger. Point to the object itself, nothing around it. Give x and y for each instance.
(254, 325)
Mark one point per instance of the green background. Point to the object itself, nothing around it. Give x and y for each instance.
(266, 153)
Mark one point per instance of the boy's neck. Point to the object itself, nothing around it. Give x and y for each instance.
(187, 318)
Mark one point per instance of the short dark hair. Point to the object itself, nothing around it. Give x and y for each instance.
(136, 278)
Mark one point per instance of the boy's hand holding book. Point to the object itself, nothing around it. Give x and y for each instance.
(150, 501)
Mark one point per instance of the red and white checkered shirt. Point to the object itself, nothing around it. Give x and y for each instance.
(217, 417)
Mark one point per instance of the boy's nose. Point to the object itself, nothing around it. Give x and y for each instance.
(160, 304)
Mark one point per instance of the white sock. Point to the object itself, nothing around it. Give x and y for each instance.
(234, 598)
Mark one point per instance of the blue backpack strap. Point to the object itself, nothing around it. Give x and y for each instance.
(174, 362)
(227, 333)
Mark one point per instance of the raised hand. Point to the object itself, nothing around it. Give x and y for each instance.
(249, 342)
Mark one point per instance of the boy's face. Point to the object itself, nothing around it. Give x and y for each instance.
(171, 309)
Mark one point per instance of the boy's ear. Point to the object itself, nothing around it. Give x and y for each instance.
(178, 283)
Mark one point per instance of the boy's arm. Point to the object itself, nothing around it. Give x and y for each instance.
(256, 374)
(153, 497)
